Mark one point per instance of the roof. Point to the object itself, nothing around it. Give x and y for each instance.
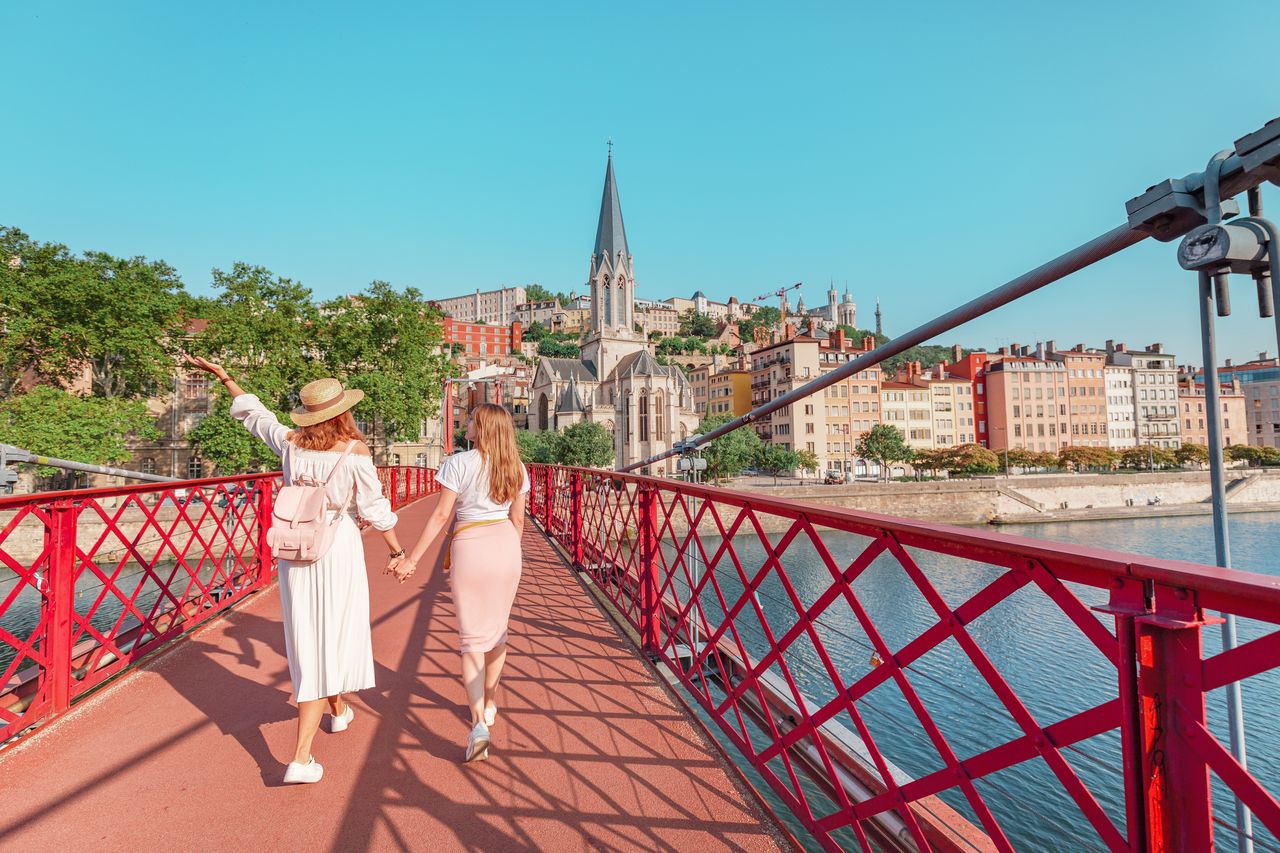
(570, 401)
(644, 364)
(899, 386)
(611, 236)
(569, 368)
(697, 294)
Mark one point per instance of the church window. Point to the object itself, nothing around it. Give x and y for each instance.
(659, 421)
(644, 416)
(544, 419)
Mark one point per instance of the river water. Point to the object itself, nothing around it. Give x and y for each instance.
(1053, 669)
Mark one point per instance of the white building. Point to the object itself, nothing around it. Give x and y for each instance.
(489, 306)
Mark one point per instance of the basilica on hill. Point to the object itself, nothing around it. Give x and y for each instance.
(617, 382)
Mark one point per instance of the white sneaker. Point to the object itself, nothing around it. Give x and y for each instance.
(303, 774)
(490, 714)
(478, 743)
(339, 722)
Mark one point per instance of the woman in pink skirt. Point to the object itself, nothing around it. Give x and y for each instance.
(483, 492)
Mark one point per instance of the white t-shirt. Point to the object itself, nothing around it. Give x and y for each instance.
(466, 474)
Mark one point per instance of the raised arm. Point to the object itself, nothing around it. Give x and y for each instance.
(247, 408)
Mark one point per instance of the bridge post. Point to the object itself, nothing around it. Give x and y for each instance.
(264, 525)
(394, 497)
(1175, 779)
(649, 603)
(61, 540)
(575, 518)
(548, 510)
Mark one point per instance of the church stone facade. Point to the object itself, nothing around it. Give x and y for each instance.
(617, 382)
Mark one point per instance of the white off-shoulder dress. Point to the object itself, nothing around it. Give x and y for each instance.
(326, 603)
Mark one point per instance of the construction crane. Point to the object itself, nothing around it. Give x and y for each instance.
(781, 292)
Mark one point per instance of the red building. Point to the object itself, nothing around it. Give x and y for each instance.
(482, 339)
(974, 368)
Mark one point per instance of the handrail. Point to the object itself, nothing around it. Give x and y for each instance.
(103, 578)
(759, 650)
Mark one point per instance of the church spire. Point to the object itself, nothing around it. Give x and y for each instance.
(878, 330)
(611, 236)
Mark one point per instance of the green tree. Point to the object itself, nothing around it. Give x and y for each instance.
(776, 460)
(537, 447)
(538, 293)
(555, 349)
(765, 317)
(807, 460)
(120, 319)
(228, 446)
(264, 329)
(385, 342)
(932, 461)
(53, 422)
(695, 324)
(1020, 457)
(729, 454)
(534, 332)
(584, 445)
(1192, 454)
(1148, 456)
(884, 444)
(971, 459)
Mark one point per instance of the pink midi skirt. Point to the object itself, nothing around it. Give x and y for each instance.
(485, 573)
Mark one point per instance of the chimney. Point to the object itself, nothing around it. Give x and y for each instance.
(1015, 349)
(1004, 350)
(941, 370)
(1111, 347)
(1121, 348)
(1156, 347)
(1262, 356)
(837, 340)
(1079, 348)
(868, 343)
(1050, 347)
(1228, 362)
(957, 354)
(1041, 349)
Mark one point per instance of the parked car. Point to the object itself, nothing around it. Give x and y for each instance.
(833, 478)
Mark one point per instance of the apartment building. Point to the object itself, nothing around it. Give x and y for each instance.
(543, 311)
(1086, 392)
(488, 306)
(1155, 390)
(657, 317)
(1259, 382)
(482, 339)
(973, 368)
(775, 370)
(1027, 404)
(1122, 412)
(729, 392)
(1192, 412)
(850, 407)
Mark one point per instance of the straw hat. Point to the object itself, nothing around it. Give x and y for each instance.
(323, 399)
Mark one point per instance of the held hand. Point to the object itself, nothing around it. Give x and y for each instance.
(392, 564)
(405, 569)
(204, 364)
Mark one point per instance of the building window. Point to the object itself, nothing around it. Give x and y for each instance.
(195, 468)
(147, 465)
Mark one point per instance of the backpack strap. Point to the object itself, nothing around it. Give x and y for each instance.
(345, 453)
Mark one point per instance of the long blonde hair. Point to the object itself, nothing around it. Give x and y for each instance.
(496, 440)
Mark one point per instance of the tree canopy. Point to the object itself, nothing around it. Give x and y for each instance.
(1191, 453)
(884, 444)
(54, 422)
(1081, 458)
(732, 452)
(694, 323)
(586, 444)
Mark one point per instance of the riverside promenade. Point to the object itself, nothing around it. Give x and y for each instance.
(590, 752)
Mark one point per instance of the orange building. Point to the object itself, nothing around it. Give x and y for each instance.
(1027, 404)
(1087, 393)
(1192, 413)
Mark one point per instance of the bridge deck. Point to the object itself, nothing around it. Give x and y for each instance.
(589, 752)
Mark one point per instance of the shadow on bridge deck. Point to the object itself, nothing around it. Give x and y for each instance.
(589, 751)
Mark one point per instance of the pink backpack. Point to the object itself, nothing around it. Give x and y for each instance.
(301, 530)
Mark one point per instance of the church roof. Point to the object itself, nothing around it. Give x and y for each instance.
(611, 236)
(569, 368)
(643, 364)
(570, 401)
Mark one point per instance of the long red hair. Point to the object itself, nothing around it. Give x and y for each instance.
(327, 435)
(496, 440)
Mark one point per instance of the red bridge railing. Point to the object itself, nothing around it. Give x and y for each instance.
(92, 580)
(1044, 696)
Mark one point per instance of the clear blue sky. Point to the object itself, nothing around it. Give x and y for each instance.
(921, 152)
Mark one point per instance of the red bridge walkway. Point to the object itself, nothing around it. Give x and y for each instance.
(590, 752)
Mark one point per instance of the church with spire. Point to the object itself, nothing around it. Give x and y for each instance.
(617, 382)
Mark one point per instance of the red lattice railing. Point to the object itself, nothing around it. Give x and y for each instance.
(93, 580)
(916, 686)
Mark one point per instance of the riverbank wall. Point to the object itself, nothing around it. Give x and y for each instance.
(1040, 498)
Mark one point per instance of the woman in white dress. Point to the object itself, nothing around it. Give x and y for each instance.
(325, 604)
